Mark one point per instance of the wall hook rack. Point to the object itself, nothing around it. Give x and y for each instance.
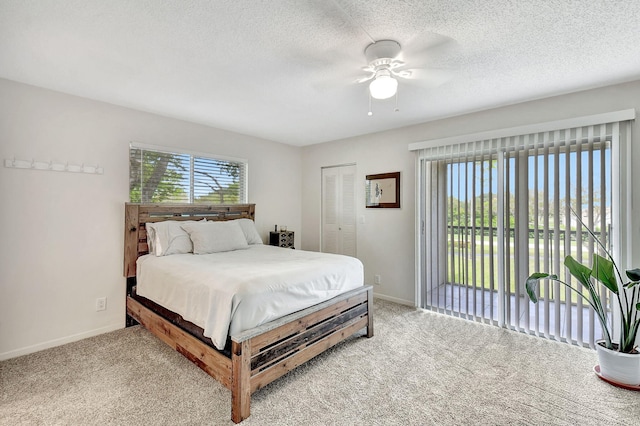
(52, 166)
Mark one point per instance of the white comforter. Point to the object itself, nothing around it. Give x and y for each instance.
(227, 293)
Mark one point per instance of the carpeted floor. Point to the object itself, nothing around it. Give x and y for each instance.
(419, 369)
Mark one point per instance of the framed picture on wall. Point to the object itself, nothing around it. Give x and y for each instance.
(383, 190)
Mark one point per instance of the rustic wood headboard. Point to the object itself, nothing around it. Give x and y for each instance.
(137, 215)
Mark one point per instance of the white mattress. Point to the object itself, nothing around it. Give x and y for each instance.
(230, 292)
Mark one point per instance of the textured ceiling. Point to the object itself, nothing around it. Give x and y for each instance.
(285, 69)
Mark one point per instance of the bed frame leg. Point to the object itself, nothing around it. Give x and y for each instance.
(241, 381)
(130, 321)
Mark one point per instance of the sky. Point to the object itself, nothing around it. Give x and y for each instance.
(539, 176)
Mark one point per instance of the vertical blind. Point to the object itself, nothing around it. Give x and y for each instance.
(165, 176)
(493, 211)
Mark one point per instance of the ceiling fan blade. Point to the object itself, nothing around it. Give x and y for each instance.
(337, 81)
(365, 78)
(402, 73)
(428, 78)
(429, 49)
(396, 64)
(428, 41)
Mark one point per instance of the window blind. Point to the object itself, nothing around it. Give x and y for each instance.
(493, 211)
(160, 175)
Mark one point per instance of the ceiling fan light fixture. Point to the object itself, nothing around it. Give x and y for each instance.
(383, 86)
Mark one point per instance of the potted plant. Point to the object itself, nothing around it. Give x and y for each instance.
(618, 361)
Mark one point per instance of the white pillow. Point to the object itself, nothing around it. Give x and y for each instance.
(214, 237)
(250, 231)
(151, 236)
(168, 237)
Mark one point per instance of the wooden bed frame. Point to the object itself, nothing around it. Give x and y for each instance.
(260, 355)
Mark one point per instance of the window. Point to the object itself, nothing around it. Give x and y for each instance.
(493, 211)
(159, 175)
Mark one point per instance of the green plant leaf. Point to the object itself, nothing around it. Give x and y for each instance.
(603, 271)
(583, 274)
(634, 274)
(629, 338)
(578, 270)
(532, 284)
(638, 306)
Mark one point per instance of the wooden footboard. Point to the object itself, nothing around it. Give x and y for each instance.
(263, 354)
(204, 356)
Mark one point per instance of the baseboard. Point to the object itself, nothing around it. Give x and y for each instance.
(393, 299)
(58, 342)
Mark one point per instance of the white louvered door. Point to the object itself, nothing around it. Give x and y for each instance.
(339, 210)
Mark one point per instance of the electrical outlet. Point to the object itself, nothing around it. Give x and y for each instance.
(101, 303)
(377, 279)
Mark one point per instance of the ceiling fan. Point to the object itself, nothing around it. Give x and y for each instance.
(386, 64)
(385, 67)
(381, 56)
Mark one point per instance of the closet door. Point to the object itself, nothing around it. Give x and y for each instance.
(339, 210)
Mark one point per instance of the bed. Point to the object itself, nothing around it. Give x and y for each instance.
(254, 352)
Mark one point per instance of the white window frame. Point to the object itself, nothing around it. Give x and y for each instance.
(179, 151)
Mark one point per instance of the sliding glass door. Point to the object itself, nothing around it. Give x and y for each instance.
(494, 211)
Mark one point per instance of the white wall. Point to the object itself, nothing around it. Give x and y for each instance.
(61, 234)
(386, 239)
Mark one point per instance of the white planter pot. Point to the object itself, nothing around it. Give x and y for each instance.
(619, 367)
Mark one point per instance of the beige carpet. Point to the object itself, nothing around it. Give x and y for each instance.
(419, 369)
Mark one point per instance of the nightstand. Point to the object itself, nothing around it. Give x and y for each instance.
(281, 239)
